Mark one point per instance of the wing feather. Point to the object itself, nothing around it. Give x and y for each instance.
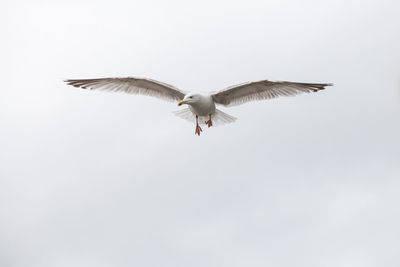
(260, 90)
(218, 118)
(131, 85)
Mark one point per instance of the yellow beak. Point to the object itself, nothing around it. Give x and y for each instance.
(182, 102)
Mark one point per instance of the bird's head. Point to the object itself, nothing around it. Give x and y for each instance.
(190, 99)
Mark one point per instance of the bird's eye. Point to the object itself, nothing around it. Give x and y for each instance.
(191, 97)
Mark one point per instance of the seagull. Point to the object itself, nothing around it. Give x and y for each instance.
(201, 107)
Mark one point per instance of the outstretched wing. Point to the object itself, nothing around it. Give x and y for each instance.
(131, 85)
(250, 91)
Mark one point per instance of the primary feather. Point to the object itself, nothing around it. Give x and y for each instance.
(131, 85)
(245, 92)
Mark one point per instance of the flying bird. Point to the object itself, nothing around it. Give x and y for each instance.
(201, 107)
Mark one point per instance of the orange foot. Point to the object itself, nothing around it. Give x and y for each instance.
(209, 123)
(198, 130)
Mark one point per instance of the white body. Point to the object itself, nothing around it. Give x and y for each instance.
(204, 106)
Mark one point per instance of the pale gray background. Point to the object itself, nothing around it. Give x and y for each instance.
(100, 179)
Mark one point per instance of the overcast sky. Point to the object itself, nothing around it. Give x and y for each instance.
(102, 179)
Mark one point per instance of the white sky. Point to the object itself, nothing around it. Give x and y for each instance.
(100, 179)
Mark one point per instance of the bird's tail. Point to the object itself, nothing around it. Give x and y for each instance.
(218, 118)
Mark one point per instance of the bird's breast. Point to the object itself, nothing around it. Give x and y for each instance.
(205, 106)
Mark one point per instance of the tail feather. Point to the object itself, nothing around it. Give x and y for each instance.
(218, 118)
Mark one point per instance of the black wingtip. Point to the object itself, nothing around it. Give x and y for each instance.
(74, 83)
(322, 86)
(68, 81)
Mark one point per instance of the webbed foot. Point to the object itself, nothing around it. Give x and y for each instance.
(209, 123)
(198, 130)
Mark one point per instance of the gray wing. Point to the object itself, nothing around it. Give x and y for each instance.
(250, 91)
(131, 85)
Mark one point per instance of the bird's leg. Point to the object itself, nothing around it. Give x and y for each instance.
(209, 122)
(198, 128)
